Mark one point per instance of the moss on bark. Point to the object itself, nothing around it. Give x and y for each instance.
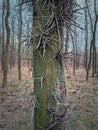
(47, 79)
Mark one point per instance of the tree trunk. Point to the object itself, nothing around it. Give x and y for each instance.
(19, 39)
(77, 58)
(6, 52)
(95, 56)
(97, 71)
(49, 74)
(12, 46)
(86, 41)
(74, 59)
(10, 58)
(3, 41)
(49, 77)
(49, 84)
(92, 46)
(93, 62)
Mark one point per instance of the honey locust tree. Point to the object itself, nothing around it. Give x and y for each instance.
(50, 18)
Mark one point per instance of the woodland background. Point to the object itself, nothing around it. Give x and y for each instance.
(46, 47)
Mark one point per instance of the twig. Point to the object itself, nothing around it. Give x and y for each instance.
(54, 124)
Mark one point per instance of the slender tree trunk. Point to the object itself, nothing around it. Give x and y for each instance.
(19, 39)
(6, 52)
(93, 62)
(77, 58)
(12, 47)
(92, 46)
(97, 71)
(95, 57)
(86, 41)
(3, 41)
(74, 59)
(10, 58)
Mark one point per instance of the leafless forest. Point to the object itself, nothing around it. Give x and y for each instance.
(48, 65)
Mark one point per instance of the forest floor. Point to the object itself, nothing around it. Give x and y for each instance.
(82, 97)
(16, 108)
(15, 101)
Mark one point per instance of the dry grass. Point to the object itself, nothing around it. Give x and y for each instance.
(15, 101)
(82, 97)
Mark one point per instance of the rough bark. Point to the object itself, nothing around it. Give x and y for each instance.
(49, 78)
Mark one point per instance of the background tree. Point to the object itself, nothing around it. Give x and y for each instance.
(86, 39)
(3, 32)
(92, 55)
(6, 48)
(12, 43)
(74, 58)
(19, 37)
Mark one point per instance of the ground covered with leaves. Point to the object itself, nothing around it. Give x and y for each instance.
(82, 97)
(16, 99)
